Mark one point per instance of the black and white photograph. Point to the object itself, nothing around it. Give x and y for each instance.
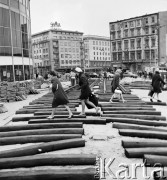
(83, 90)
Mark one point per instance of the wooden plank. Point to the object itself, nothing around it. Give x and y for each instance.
(42, 132)
(40, 126)
(51, 174)
(94, 120)
(136, 121)
(133, 112)
(133, 116)
(48, 160)
(143, 133)
(143, 143)
(127, 108)
(42, 148)
(36, 138)
(151, 160)
(139, 152)
(141, 127)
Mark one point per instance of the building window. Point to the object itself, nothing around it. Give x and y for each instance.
(132, 56)
(138, 22)
(132, 32)
(152, 54)
(132, 44)
(112, 27)
(112, 35)
(153, 30)
(119, 46)
(119, 34)
(126, 54)
(146, 43)
(125, 24)
(131, 24)
(138, 43)
(146, 30)
(147, 55)
(126, 45)
(138, 55)
(138, 31)
(153, 42)
(125, 33)
(114, 46)
(153, 19)
(119, 56)
(114, 56)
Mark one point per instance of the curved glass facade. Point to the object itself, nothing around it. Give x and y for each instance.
(15, 40)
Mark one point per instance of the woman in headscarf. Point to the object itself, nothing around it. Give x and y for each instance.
(157, 83)
(85, 91)
(59, 96)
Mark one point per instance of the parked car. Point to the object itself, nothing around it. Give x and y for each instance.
(129, 74)
(93, 75)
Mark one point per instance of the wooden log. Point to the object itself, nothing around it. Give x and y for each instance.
(36, 138)
(48, 106)
(42, 132)
(141, 127)
(152, 160)
(127, 108)
(27, 118)
(51, 174)
(156, 103)
(123, 105)
(143, 133)
(136, 121)
(143, 143)
(40, 126)
(139, 152)
(31, 111)
(133, 112)
(42, 148)
(133, 116)
(65, 113)
(48, 160)
(83, 120)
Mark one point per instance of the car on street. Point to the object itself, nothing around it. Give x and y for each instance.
(129, 74)
(93, 75)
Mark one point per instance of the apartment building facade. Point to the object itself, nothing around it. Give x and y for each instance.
(57, 49)
(96, 51)
(140, 42)
(16, 62)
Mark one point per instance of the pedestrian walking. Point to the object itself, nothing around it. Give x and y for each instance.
(115, 81)
(157, 84)
(59, 95)
(85, 91)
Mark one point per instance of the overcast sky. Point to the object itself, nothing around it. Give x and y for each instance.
(91, 17)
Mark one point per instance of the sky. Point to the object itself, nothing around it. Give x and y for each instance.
(91, 17)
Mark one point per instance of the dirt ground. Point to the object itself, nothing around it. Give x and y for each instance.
(102, 140)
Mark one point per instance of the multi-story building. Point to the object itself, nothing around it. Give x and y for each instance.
(57, 49)
(97, 51)
(139, 42)
(15, 40)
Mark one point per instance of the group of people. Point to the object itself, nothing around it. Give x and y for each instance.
(60, 97)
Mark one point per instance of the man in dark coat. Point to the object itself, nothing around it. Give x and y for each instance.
(157, 84)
